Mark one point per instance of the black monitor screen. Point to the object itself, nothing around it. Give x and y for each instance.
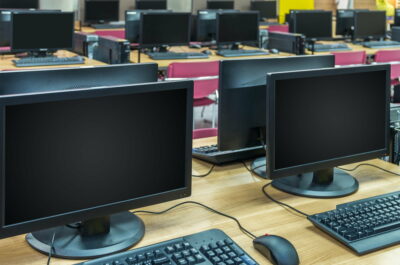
(312, 24)
(165, 29)
(370, 24)
(397, 17)
(267, 9)
(237, 27)
(98, 10)
(323, 118)
(19, 4)
(42, 31)
(220, 4)
(151, 4)
(64, 156)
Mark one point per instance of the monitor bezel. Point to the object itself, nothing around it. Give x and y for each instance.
(254, 8)
(356, 36)
(44, 49)
(89, 21)
(294, 14)
(217, 36)
(147, 45)
(101, 210)
(273, 173)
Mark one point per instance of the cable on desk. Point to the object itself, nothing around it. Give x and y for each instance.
(251, 170)
(369, 165)
(279, 202)
(206, 174)
(51, 248)
(244, 230)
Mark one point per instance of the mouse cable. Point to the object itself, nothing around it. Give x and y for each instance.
(369, 165)
(244, 230)
(206, 174)
(279, 202)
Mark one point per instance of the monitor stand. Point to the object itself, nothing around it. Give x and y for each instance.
(325, 183)
(93, 238)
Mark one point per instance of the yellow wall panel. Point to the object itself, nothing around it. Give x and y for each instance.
(286, 5)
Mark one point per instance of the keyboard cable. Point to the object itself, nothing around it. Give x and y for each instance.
(205, 174)
(369, 165)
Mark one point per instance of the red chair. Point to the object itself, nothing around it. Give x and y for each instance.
(205, 77)
(278, 28)
(204, 133)
(390, 56)
(350, 58)
(120, 34)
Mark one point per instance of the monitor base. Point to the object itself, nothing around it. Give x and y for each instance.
(126, 230)
(329, 183)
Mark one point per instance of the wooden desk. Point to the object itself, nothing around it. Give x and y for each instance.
(233, 190)
(163, 64)
(87, 29)
(7, 64)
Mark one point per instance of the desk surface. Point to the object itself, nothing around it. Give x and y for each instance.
(7, 64)
(163, 64)
(233, 190)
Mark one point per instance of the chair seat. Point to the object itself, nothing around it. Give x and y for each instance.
(204, 133)
(202, 102)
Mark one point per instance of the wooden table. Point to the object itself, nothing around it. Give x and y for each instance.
(7, 64)
(163, 64)
(233, 190)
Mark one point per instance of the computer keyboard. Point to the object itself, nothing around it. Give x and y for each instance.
(365, 225)
(329, 47)
(176, 55)
(212, 247)
(213, 155)
(47, 61)
(381, 44)
(237, 53)
(107, 26)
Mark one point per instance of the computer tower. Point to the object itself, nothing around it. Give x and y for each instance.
(85, 44)
(287, 42)
(112, 50)
(396, 33)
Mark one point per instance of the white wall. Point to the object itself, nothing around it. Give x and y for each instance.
(65, 5)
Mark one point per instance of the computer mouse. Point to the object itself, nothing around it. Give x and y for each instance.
(277, 250)
(274, 51)
(208, 52)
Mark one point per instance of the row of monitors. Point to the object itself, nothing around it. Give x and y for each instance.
(52, 30)
(106, 11)
(72, 155)
(357, 24)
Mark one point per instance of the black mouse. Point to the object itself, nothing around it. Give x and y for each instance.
(277, 250)
(208, 52)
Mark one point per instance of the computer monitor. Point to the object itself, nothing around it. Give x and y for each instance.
(369, 25)
(89, 156)
(166, 29)
(396, 17)
(242, 96)
(101, 11)
(222, 4)
(151, 4)
(132, 23)
(207, 24)
(19, 4)
(314, 24)
(41, 32)
(345, 21)
(31, 81)
(237, 28)
(321, 119)
(267, 9)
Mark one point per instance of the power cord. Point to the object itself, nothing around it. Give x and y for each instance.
(51, 248)
(369, 165)
(206, 174)
(244, 230)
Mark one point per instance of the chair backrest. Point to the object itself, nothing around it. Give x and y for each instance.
(394, 71)
(202, 88)
(204, 133)
(349, 58)
(120, 34)
(278, 28)
(384, 56)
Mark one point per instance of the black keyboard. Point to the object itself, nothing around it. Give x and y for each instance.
(365, 225)
(107, 26)
(212, 247)
(47, 61)
(381, 44)
(237, 53)
(329, 47)
(213, 155)
(176, 55)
